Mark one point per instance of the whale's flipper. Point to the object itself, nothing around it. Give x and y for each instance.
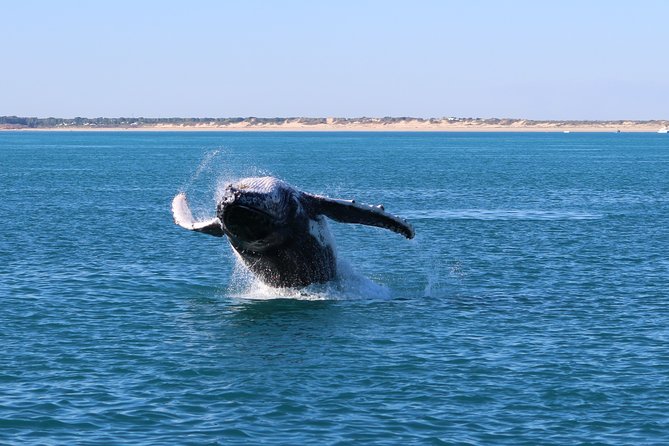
(184, 218)
(348, 211)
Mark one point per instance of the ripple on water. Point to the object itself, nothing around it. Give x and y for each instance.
(500, 214)
(530, 309)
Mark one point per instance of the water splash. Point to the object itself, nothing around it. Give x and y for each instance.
(226, 177)
(243, 284)
(204, 164)
(437, 271)
(199, 189)
(205, 187)
(349, 285)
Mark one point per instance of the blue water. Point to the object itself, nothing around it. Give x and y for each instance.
(532, 307)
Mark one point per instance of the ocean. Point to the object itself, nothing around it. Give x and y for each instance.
(531, 308)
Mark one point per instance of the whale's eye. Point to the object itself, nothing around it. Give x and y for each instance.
(246, 223)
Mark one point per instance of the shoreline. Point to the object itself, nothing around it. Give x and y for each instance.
(306, 124)
(352, 128)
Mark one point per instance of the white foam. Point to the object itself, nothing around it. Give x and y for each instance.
(243, 284)
(349, 285)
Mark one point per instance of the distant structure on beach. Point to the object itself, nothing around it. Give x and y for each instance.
(330, 123)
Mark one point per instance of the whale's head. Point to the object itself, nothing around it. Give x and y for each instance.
(256, 213)
(261, 213)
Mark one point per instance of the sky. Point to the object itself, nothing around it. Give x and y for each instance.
(508, 59)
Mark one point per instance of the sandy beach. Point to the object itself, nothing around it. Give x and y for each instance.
(362, 125)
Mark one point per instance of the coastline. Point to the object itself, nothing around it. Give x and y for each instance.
(351, 125)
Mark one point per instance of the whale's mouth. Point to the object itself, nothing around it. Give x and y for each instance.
(246, 223)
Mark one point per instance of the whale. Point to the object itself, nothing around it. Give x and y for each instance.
(281, 233)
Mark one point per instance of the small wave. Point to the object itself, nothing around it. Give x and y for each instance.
(499, 214)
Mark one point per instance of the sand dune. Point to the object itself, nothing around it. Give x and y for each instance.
(327, 124)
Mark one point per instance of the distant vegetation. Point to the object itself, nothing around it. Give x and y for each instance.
(23, 122)
(16, 122)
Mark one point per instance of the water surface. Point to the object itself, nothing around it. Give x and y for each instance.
(532, 307)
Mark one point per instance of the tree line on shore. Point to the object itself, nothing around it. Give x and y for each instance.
(32, 122)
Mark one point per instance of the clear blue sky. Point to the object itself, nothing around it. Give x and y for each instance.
(529, 59)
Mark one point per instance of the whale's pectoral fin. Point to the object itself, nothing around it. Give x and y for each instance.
(184, 218)
(348, 211)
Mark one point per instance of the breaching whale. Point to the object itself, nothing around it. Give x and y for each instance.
(280, 232)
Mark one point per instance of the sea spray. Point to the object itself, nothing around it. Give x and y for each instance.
(349, 285)
(206, 185)
(204, 164)
(243, 284)
(202, 200)
(226, 176)
(433, 266)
